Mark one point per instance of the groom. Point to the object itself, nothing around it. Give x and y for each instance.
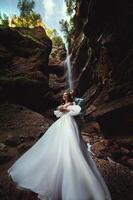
(80, 102)
(79, 118)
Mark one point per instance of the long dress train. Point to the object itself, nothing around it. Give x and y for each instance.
(59, 166)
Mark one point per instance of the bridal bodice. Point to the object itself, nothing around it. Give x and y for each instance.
(73, 111)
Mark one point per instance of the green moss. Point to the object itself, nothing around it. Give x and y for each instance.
(4, 73)
(17, 78)
(116, 84)
(33, 39)
(13, 82)
(28, 34)
(52, 80)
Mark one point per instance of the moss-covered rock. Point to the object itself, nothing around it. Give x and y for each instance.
(24, 73)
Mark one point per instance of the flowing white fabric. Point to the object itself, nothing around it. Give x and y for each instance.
(59, 166)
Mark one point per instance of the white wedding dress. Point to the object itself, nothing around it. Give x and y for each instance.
(59, 166)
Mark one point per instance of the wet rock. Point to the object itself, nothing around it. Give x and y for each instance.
(124, 150)
(102, 58)
(107, 148)
(14, 141)
(130, 163)
(115, 118)
(2, 146)
(25, 80)
(56, 69)
(4, 159)
(23, 147)
(91, 109)
(3, 193)
(16, 123)
(124, 159)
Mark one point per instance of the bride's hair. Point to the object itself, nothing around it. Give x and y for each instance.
(69, 96)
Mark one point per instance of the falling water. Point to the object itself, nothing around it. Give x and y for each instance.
(69, 70)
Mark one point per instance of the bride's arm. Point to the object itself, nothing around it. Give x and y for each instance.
(62, 109)
(59, 111)
(74, 110)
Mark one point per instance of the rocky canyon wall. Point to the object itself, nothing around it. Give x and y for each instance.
(24, 73)
(102, 59)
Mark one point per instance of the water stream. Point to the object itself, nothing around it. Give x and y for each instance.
(69, 70)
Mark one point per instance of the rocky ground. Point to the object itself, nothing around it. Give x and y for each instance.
(114, 158)
(32, 81)
(20, 128)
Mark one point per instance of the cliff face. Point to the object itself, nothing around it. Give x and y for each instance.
(24, 74)
(102, 58)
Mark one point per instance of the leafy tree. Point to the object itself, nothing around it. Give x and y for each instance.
(55, 37)
(4, 21)
(17, 21)
(28, 18)
(57, 41)
(25, 7)
(21, 22)
(51, 32)
(35, 19)
(71, 6)
(67, 26)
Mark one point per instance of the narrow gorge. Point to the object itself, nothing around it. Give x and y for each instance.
(98, 66)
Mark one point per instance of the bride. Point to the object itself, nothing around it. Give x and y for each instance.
(59, 166)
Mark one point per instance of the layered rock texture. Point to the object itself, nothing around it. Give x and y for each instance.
(32, 79)
(20, 128)
(102, 58)
(24, 75)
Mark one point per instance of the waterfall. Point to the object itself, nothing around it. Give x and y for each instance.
(68, 58)
(69, 70)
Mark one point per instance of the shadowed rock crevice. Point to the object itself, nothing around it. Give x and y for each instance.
(24, 71)
(102, 57)
(33, 77)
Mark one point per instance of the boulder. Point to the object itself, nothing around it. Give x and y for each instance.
(102, 57)
(20, 128)
(24, 73)
(115, 118)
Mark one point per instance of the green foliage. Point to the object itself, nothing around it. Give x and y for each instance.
(64, 26)
(57, 41)
(67, 26)
(52, 80)
(55, 37)
(35, 19)
(21, 22)
(71, 6)
(26, 8)
(4, 21)
(28, 18)
(51, 33)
